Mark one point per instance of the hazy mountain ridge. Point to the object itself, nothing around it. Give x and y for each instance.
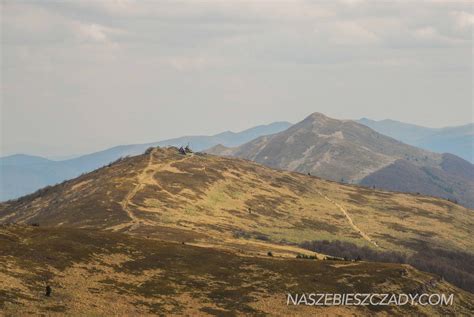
(23, 174)
(457, 140)
(23, 160)
(347, 151)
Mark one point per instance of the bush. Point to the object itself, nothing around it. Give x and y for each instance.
(48, 290)
(304, 256)
(262, 237)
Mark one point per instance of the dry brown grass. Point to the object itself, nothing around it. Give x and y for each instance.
(233, 201)
(95, 273)
(223, 215)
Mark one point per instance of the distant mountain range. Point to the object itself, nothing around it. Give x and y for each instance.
(455, 140)
(347, 151)
(22, 174)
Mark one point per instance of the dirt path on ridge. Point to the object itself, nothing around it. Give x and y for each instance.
(349, 219)
(145, 177)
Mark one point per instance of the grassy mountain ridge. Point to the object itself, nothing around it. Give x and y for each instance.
(198, 227)
(211, 196)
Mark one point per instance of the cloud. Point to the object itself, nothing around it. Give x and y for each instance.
(429, 35)
(426, 33)
(172, 57)
(463, 19)
(31, 25)
(352, 33)
(93, 32)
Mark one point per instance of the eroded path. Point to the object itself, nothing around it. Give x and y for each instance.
(125, 203)
(349, 219)
(144, 178)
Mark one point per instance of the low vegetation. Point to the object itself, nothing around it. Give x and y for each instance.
(455, 267)
(156, 216)
(57, 271)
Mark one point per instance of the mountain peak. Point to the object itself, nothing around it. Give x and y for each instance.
(349, 151)
(321, 120)
(317, 116)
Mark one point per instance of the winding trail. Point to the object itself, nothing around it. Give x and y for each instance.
(125, 203)
(144, 178)
(349, 219)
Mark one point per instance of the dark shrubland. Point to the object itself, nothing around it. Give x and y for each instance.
(149, 150)
(456, 267)
(120, 159)
(351, 251)
(307, 257)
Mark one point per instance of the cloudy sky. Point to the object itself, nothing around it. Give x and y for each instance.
(81, 76)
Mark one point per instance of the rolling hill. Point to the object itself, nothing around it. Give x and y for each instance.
(192, 234)
(97, 273)
(346, 151)
(457, 140)
(214, 199)
(23, 174)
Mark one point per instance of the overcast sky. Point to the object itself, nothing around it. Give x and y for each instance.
(79, 77)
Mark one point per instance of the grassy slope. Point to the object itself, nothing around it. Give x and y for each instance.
(104, 273)
(237, 210)
(218, 201)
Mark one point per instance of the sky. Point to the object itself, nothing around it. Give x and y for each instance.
(78, 77)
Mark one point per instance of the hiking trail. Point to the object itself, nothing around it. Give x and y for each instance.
(349, 219)
(145, 177)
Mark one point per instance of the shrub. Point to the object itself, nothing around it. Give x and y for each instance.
(187, 149)
(262, 237)
(304, 256)
(48, 290)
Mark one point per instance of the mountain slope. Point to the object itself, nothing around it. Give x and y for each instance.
(23, 174)
(139, 229)
(347, 151)
(456, 140)
(220, 200)
(453, 180)
(88, 270)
